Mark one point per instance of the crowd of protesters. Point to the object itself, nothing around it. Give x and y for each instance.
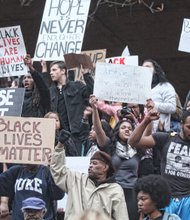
(139, 154)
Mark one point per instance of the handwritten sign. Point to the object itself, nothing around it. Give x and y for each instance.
(11, 101)
(12, 52)
(62, 29)
(122, 83)
(26, 140)
(184, 43)
(96, 56)
(128, 60)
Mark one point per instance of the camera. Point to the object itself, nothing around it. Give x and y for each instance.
(125, 111)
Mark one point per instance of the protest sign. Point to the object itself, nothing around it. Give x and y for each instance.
(128, 60)
(62, 29)
(125, 52)
(184, 43)
(79, 164)
(122, 83)
(12, 52)
(26, 140)
(73, 60)
(96, 56)
(11, 101)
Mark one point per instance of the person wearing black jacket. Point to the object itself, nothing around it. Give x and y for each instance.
(37, 96)
(72, 94)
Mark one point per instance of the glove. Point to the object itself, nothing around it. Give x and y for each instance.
(64, 136)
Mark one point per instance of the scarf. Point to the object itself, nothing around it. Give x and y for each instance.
(125, 152)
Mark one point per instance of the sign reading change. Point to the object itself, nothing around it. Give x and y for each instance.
(62, 29)
(26, 140)
(122, 83)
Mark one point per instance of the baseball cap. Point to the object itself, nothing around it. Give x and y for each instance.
(33, 203)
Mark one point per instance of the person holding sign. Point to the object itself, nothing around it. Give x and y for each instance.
(96, 190)
(37, 96)
(69, 98)
(125, 158)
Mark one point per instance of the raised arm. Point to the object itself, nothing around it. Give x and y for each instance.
(137, 139)
(100, 134)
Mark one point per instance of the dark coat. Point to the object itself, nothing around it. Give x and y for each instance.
(33, 110)
(76, 96)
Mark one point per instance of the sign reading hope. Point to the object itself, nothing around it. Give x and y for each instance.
(62, 29)
(26, 140)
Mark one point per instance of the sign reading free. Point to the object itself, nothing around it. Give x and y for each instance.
(26, 140)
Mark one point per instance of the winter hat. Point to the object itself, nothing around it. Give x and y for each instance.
(104, 157)
(33, 203)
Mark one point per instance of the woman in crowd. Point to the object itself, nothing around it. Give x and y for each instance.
(70, 146)
(153, 195)
(124, 158)
(163, 96)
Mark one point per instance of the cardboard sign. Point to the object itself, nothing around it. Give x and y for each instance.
(62, 29)
(184, 43)
(26, 140)
(122, 83)
(73, 60)
(11, 101)
(128, 60)
(12, 52)
(96, 56)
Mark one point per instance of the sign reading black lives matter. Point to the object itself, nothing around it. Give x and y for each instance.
(12, 52)
(11, 101)
(26, 140)
(62, 29)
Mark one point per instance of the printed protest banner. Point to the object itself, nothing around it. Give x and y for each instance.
(26, 140)
(96, 56)
(122, 83)
(128, 60)
(62, 29)
(79, 164)
(184, 43)
(12, 52)
(11, 101)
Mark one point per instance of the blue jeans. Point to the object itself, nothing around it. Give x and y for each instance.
(180, 207)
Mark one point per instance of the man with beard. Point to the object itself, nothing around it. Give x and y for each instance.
(175, 159)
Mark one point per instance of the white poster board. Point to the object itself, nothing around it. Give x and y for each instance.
(79, 164)
(122, 83)
(12, 52)
(62, 29)
(184, 43)
(127, 60)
